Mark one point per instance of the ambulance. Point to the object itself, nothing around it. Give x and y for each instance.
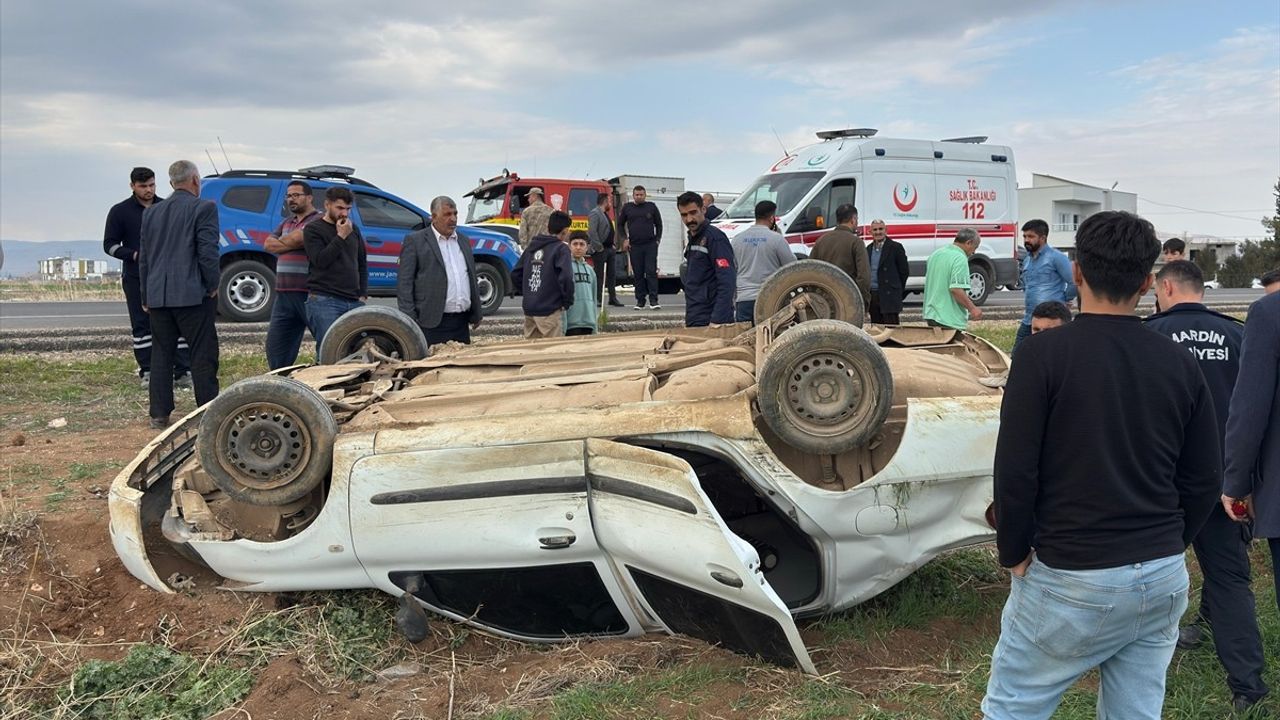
(923, 190)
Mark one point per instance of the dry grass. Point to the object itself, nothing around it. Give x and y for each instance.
(60, 291)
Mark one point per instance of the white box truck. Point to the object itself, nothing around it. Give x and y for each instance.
(923, 190)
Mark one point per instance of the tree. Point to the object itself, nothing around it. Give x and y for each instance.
(1255, 258)
(1207, 261)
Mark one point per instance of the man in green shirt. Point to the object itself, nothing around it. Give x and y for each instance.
(946, 283)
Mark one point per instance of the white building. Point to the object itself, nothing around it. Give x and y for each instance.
(1064, 204)
(65, 268)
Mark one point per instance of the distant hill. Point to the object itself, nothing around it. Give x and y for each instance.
(21, 257)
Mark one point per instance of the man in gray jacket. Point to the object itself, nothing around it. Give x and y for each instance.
(178, 274)
(600, 235)
(759, 252)
(436, 284)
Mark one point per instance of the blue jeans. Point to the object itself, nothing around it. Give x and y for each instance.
(1058, 624)
(288, 325)
(744, 311)
(1024, 332)
(323, 311)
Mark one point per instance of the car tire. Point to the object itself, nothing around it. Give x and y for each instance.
(392, 333)
(267, 440)
(979, 283)
(246, 291)
(840, 294)
(825, 387)
(490, 286)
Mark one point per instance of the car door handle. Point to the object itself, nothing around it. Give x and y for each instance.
(557, 542)
(725, 578)
(372, 241)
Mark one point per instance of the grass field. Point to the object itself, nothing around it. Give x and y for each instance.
(920, 650)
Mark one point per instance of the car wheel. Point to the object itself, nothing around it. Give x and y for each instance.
(391, 333)
(839, 296)
(246, 291)
(825, 387)
(490, 286)
(979, 283)
(267, 440)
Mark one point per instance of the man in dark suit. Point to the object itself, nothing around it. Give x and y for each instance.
(178, 273)
(436, 285)
(889, 273)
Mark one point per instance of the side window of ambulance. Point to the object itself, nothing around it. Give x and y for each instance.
(819, 212)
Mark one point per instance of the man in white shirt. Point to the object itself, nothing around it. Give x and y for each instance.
(436, 283)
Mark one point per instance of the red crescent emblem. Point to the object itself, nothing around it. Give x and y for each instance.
(907, 206)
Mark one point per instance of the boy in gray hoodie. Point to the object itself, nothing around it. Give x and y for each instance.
(581, 317)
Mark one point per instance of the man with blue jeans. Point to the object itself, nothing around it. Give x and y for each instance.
(339, 277)
(1106, 466)
(289, 313)
(1046, 275)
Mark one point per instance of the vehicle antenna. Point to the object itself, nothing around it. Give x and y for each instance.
(211, 162)
(785, 151)
(587, 174)
(224, 153)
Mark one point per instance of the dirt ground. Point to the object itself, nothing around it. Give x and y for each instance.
(69, 598)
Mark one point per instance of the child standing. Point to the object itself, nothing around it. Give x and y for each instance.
(545, 276)
(581, 318)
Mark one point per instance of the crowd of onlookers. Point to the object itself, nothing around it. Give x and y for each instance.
(1122, 440)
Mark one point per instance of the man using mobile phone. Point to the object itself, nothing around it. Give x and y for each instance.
(338, 280)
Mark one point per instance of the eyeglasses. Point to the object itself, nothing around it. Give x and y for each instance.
(294, 195)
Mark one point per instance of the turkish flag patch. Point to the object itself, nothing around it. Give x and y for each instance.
(722, 262)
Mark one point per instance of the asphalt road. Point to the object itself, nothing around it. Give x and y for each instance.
(108, 314)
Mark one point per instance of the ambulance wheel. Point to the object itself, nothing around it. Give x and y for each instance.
(979, 283)
(387, 330)
(837, 295)
(267, 440)
(825, 387)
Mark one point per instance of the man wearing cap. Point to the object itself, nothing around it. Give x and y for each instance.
(533, 219)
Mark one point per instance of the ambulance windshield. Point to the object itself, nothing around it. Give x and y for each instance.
(785, 189)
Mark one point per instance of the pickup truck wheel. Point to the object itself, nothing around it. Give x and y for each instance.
(267, 440)
(979, 283)
(825, 387)
(390, 332)
(246, 291)
(822, 279)
(490, 286)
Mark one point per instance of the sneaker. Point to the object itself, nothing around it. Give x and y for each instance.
(1243, 703)
(656, 306)
(146, 379)
(159, 423)
(638, 307)
(1190, 637)
(183, 381)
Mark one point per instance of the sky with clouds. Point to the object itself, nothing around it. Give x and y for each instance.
(1176, 101)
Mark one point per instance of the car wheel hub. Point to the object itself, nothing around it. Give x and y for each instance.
(264, 445)
(823, 390)
(822, 301)
(484, 288)
(247, 291)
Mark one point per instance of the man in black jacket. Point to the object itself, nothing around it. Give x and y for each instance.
(545, 277)
(600, 235)
(338, 279)
(640, 226)
(178, 276)
(120, 241)
(1226, 599)
(889, 273)
(711, 278)
(1106, 466)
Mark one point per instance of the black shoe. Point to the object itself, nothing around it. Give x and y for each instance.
(1243, 703)
(159, 423)
(1190, 637)
(613, 302)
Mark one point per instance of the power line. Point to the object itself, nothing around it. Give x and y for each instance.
(1204, 212)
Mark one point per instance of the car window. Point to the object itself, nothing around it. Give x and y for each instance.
(382, 212)
(582, 201)
(820, 212)
(548, 601)
(784, 189)
(251, 198)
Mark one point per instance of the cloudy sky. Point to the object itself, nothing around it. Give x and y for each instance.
(1176, 101)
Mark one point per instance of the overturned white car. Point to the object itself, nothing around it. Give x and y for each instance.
(715, 482)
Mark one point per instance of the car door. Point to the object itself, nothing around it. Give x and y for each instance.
(498, 537)
(682, 564)
(384, 224)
